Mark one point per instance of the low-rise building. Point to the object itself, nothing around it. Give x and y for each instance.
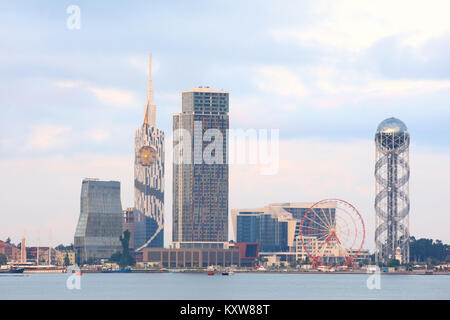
(191, 257)
(61, 257)
(11, 252)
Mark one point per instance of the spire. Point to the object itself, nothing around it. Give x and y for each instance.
(150, 108)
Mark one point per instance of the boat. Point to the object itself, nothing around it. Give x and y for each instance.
(12, 270)
(227, 272)
(44, 269)
(210, 273)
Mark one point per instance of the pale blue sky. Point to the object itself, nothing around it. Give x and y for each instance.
(324, 73)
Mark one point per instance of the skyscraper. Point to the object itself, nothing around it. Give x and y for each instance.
(392, 191)
(149, 176)
(200, 169)
(100, 222)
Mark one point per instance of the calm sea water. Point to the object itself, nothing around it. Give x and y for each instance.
(237, 286)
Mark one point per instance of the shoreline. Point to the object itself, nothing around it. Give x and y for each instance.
(277, 272)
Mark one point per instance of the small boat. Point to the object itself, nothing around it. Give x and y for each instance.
(210, 273)
(227, 272)
(12, 270)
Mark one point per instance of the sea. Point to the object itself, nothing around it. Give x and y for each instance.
(238, 286)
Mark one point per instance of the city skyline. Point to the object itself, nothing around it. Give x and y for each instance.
(70, 106)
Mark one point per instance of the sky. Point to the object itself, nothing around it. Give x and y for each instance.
(324, 73)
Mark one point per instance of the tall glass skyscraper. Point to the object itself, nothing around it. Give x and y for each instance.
(149, 177)
(100, 222)
(200, 173)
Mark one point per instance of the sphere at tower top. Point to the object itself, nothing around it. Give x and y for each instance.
(392, 134)
(392, 126)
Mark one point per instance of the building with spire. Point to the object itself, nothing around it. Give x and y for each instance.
(149, 178)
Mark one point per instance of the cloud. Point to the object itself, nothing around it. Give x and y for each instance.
(44, 137)
(68, 83)
(99, 135)
(341, 93)
(114, 97)
(354, 25)
(279, 80)
(109, 96)
(402, 87)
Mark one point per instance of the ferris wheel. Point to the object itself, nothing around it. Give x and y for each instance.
(332, 233)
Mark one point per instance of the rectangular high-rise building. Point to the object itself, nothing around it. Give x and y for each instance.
(200, 168)
(100, 224)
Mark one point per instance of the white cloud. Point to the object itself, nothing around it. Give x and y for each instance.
(279, 80)
(99, 135)
(68, 83)
(328, 86)
(109, 96)
(355, 25)
(45, 137)
(405, 86)
(114, 97)
(339, 93)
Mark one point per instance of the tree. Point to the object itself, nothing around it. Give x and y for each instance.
(425, 250)
(393, 263)
(62, 247)
(8, 240)
(3, 259)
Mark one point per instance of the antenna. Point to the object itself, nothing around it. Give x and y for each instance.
(23, 250)
(39, 244)
(150, 108)
(50, 249)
